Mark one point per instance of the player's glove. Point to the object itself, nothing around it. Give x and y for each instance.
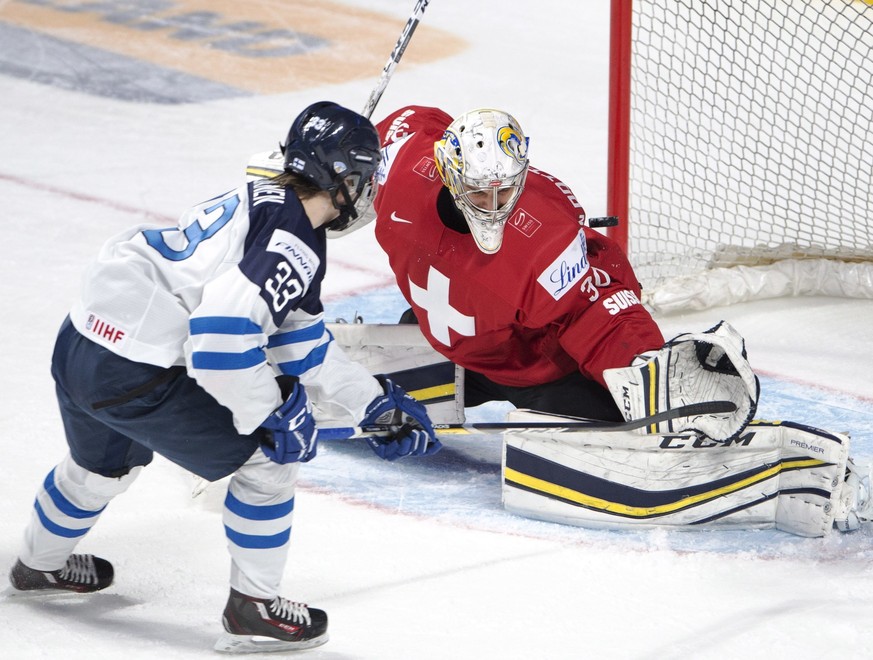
(290, 432)
(414, 434)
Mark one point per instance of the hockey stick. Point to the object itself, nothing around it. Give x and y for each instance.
(347, 433)
(396, 54)
(273, 162)
(690, 410)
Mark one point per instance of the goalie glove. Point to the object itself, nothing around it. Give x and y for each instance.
(691, 368)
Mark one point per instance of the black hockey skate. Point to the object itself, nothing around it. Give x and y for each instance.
(81, 574)
(256, 625)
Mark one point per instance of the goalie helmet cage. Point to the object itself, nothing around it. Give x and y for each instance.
(741, 134)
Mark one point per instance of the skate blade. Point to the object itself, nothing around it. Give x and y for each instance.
(228, 643)
(11, 593)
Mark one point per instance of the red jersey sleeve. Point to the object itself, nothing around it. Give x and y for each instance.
(612, 326)
(583, 285)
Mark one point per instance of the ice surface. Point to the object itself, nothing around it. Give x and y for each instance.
(414, 560)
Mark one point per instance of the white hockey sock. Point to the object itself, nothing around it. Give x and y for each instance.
(258, 511)
(67, 506)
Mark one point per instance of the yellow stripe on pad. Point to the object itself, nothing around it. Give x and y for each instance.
(598, 504)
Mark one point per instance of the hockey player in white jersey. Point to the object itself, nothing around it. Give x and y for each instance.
(206, 343)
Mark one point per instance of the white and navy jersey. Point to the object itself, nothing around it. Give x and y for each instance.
(232, 293)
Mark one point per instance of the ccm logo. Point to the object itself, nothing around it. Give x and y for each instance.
(619, 301)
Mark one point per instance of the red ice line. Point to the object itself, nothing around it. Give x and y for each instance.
(382, 282)
(814, 385)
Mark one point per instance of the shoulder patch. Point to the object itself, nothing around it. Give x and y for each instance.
(524, 222)
(426, 167)
(301, 257)
(567, 269)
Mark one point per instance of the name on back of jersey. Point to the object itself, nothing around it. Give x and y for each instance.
(265, 191)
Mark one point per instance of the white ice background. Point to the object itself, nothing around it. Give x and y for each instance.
(417, 559)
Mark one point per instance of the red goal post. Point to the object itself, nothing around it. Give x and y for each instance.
(741, 147)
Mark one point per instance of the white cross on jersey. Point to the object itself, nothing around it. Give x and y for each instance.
(441, 316)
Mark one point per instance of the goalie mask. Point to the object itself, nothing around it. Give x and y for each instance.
(482, 160)
(337, 150)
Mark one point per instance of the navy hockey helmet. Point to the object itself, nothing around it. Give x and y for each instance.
(337, 150)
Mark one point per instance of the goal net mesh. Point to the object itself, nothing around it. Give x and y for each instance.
(751, 134)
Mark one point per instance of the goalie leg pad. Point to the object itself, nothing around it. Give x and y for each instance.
(778, 475)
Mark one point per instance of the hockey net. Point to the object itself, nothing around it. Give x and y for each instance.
(741, 147)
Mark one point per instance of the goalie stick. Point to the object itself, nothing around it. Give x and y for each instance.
(396, 54)
(573, 423)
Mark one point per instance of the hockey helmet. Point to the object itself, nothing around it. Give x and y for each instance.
(338, 151)
(482, 160)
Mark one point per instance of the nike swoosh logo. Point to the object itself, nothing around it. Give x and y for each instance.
(397, 218)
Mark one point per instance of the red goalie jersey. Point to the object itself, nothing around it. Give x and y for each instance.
(557, 297)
